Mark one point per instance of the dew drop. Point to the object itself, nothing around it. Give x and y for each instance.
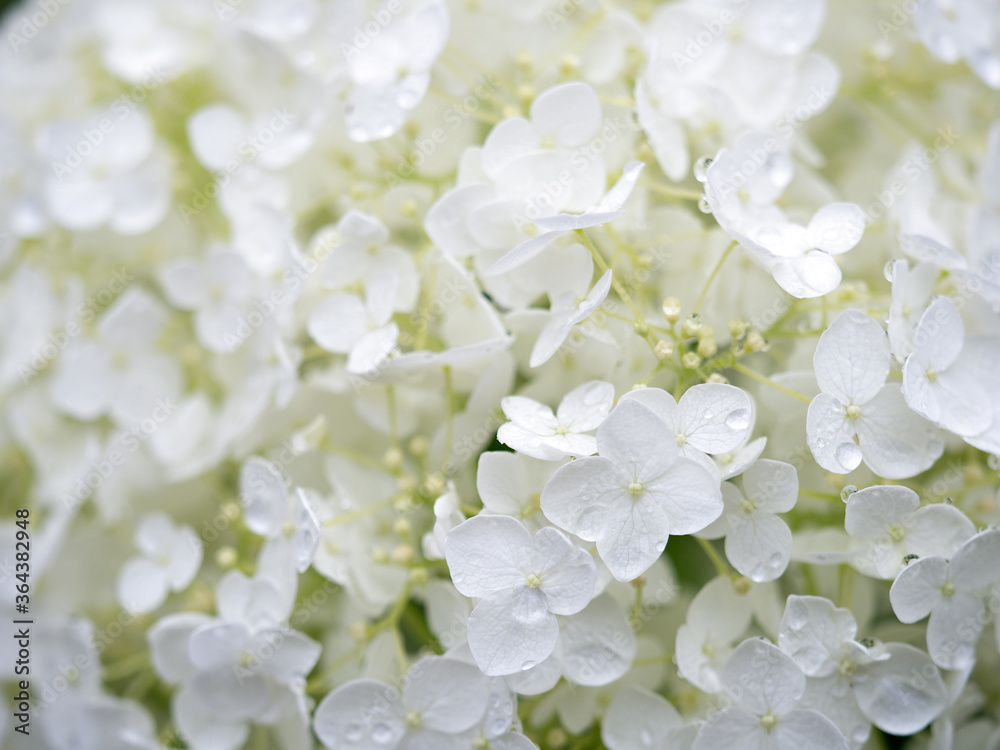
(703, 205)
(887, 270)
(353, 733)
(382, 734)
(701, 168)
(526, 665)
(738, 420)
(796, 616)
(910, 558)
(848, 490)
(993, 462)
(646, 737)
(848, 455)
(860, 733)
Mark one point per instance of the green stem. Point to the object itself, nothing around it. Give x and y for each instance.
(711, 277)
(739, 367)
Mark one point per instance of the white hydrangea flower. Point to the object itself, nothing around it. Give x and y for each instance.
(535, 431)
(717, 618)
(857, 685)
(634, 494)
(171, 556)
(767, 687)
(122, 372)
(440, 698)
(511, 484)
(638, 718)
(962, 30)
(758, 543)
(522, 583)
(361, 329)
(953, 592)
(858, 416)
(710, 418)
(269, 510)
(888, 523)
(218, 291)
(938, 382)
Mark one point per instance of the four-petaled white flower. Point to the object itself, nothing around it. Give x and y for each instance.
(858, 416)
(634, 494)
(767, 687)
(171, 556)
(535, 431)
(758, 543)
(361, 329)
(888, 523)
(218, 291)
(441, 698)
(953, 592)
(854, 684)
(270, 511)
(522, 583)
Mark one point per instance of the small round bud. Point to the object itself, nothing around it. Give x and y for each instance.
(568, 64)
(717, 378)
(691, 326)
(707, 347)
(406, 483)
(379, 555)
(691, 360)
(393, 458)
(556, 738)
(639, 581)
(737, 328)
(402, 554)
(419, 446)
(408, 208)
(357, 192)
(526, 92)
(742, 585)
(358, 631)
(755, 342)
(419, 576)
(227, 557)
(664, 349)
(672, 309)
(640, 328)
(637, 387)
(231, 510)
(701, 168)
(434, 483)
(402, 526)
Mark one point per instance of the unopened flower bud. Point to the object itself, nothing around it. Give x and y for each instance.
(664, 349)
(672, 309)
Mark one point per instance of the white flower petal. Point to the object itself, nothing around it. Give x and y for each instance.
(892, 699)
(501, 643)
(852, 358)
(487, 554)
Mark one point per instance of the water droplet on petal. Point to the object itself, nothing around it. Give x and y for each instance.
(703, 205)
(848, 490)
(354, 733)
(701, 168)
(796, 615)
(848, 455)
(646, 737)
(526, 665)
(887, 270)
(382, 734)
(860, 733)
(738, 420)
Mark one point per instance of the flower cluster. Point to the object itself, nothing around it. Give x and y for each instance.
(484, 375)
